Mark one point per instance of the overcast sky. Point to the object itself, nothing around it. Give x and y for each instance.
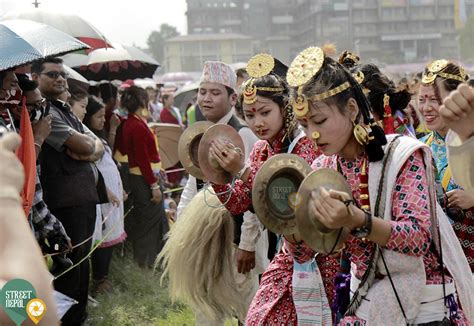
(123, 21)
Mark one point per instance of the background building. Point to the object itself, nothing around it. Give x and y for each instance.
(391, 31)
(189, 52)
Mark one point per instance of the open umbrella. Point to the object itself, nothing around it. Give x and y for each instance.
(120, 62)
(24, 41)
(67, 23)
(185, 95)
(75, 79)
(168, 138)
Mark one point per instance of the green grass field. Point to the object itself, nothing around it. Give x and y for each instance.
(138, 299)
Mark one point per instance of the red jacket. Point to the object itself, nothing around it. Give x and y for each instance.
(140, 145)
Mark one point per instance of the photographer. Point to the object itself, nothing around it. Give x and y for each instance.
(46, 225)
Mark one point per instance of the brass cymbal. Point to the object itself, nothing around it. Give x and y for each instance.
(210, 168)
(188, 147)
(316, 235)
(274, 191)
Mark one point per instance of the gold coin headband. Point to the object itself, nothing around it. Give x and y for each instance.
(306, 65)
(435, 69)
(257, 67)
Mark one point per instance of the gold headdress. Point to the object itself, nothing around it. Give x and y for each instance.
(306, 65)
(435, 69)
(258, 66)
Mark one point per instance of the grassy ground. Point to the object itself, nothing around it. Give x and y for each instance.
(138, 299)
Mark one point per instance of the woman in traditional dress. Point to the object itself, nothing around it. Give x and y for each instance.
(439, 79)
(265, 107)
(147, 225)
(394, 241)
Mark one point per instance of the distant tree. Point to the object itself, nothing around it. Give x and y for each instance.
(466, 40)
(156, 40)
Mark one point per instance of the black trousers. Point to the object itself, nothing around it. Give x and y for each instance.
(147, 225)
(100, 260)
(79, 223)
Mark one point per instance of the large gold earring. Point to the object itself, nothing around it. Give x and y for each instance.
(315, 135)
(145, 112)
(361, 134)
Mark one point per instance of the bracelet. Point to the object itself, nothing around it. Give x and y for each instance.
(155, 186)
(241, 172)
(36, 144)
(10, 193)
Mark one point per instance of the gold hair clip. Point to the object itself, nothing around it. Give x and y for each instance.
(305, 66)
(331, 92)
(300, 104)
(359, 77)
(258, 66)
(435, 69)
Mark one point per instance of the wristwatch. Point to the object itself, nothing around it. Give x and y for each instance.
(364, 230)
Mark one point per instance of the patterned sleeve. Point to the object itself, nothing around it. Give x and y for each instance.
(241, 194)
(411, 222)
(306, 150)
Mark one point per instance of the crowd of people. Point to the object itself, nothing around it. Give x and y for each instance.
(404, 147)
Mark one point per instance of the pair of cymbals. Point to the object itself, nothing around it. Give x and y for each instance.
(281, 196)
(194, 146)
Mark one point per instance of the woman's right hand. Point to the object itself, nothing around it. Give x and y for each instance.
(157, 195)
(227, 156)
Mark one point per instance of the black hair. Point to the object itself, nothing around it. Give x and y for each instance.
(332, 74)
(378, 85)
(38, 66)
(134, 98)
(94, 105)
(107, 91)
(94, 90)
(230, 91)
(77, 94)
(26, 84)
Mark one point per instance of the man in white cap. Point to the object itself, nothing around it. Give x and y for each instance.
(216, 98)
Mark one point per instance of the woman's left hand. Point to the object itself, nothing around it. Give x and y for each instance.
(227, 155)
(460, 198)
(328, 207)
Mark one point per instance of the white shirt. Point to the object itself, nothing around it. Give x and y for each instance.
(251, 225)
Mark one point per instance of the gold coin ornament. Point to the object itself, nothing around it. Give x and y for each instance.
(300, 105)
(359, 77)
(250, 93)
(260, 65)
(305, 66)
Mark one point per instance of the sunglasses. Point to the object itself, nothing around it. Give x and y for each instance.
(55, 74)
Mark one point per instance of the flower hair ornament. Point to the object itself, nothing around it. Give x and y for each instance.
(435, 69)
(258, 66)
